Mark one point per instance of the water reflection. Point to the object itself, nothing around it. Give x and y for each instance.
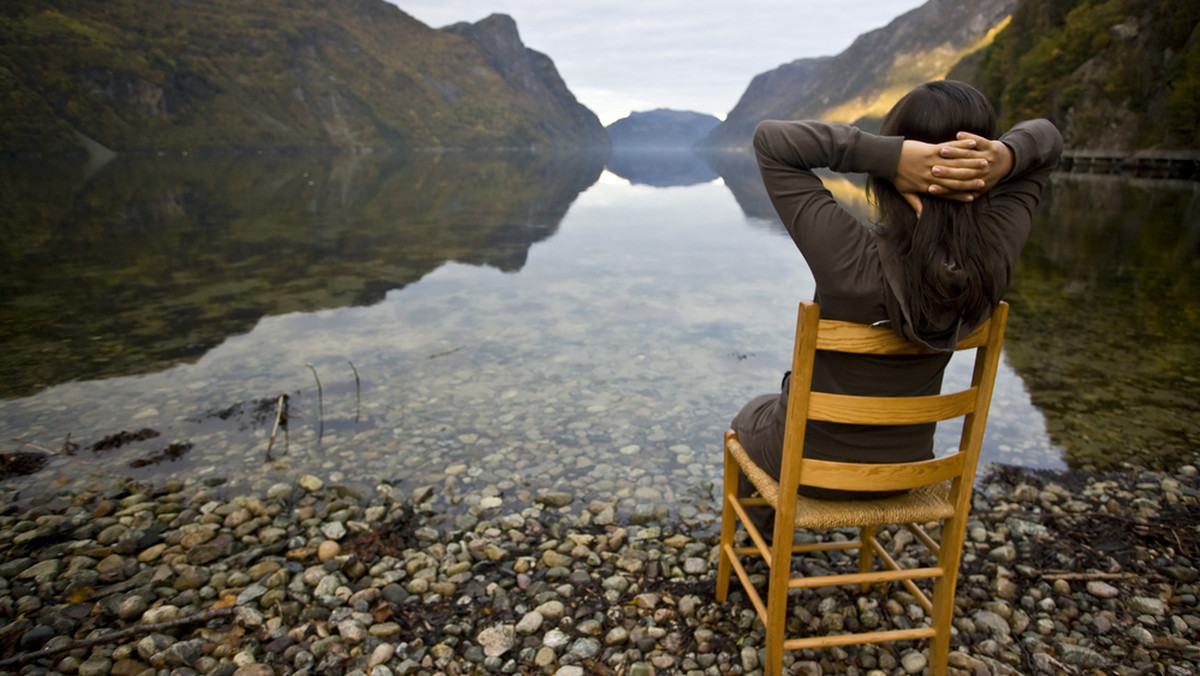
(152, 262)
(1106, 309)
(739, 171)
(660, 168)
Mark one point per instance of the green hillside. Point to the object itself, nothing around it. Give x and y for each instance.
(226, 75)
(1112, 74)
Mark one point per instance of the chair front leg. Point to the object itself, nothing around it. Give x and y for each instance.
(949, 555)
(728, 525)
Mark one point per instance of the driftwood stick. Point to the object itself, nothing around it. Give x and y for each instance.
(30, 444)
(1093, 576)
(203, 616)
(357, 392)
(443, 354)
(320, 404)
(278, 416)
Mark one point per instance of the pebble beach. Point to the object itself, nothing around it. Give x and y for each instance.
(1065, 572)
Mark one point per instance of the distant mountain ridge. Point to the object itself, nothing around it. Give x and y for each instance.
(662, 128)
(860, 84)
(227, 75)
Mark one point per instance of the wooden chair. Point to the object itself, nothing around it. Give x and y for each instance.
(939, 490)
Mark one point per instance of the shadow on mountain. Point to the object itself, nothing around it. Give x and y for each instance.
(661, 167)
(151, 262)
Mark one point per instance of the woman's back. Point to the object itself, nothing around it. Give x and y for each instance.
(931, 270)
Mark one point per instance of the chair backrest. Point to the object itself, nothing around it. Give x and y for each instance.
(972, 404)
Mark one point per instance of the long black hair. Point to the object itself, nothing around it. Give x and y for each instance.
(948, 255)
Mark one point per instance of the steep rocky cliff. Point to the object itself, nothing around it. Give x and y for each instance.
(226, 75)
(861, 84)
(1117, 75)
(533, 74)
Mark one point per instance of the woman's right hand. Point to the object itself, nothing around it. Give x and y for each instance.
(997, 157)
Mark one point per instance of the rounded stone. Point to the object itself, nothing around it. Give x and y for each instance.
(328, 549)
(311, 483)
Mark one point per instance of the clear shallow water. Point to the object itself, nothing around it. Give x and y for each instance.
(515, 325)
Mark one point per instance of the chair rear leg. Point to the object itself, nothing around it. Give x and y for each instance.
(866, 554)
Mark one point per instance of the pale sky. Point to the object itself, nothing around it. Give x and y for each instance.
(622, 56)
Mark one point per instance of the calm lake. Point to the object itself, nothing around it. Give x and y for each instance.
(497, 325)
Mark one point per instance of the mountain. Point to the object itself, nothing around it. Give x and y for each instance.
(1118, 75)
(227, 75)
(864, 81)
(659, 129)
(533, 74)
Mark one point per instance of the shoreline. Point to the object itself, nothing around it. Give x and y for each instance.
(1063, 572)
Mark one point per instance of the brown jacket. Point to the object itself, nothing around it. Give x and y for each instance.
(851, 267)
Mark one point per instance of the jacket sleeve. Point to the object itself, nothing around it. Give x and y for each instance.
(830, 238)
(1036, 146)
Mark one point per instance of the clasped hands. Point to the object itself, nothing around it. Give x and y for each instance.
(961, 170)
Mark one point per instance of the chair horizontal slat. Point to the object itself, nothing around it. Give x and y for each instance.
(844, 408)
(864, 578)
(839, 336)
(849, 476)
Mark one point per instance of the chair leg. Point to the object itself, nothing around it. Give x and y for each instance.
(949, 554)
(866, 554)
(778, 575)
(728, 525)
(775, 626)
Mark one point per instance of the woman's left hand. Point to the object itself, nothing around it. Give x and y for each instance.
(956, 170)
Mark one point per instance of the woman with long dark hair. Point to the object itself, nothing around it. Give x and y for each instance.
(954, 210)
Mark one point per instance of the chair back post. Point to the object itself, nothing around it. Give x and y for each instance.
(983, 379)
(808, 323)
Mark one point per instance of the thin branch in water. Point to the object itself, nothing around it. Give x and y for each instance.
(320, 404)
(443, 354)
(357, 392)
(115, 636)
(280, 417)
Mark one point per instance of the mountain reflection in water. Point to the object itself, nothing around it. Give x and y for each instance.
(522, 319)
(151, 262)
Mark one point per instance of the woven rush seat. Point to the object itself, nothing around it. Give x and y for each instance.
(920, 505)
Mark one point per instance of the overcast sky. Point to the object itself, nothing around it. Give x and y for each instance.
(620, 56)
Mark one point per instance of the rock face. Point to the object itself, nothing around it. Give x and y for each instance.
(533, 74)
(771, 95)
(660, 129)
(861, 84)
(1118, 77)
(273, 75)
